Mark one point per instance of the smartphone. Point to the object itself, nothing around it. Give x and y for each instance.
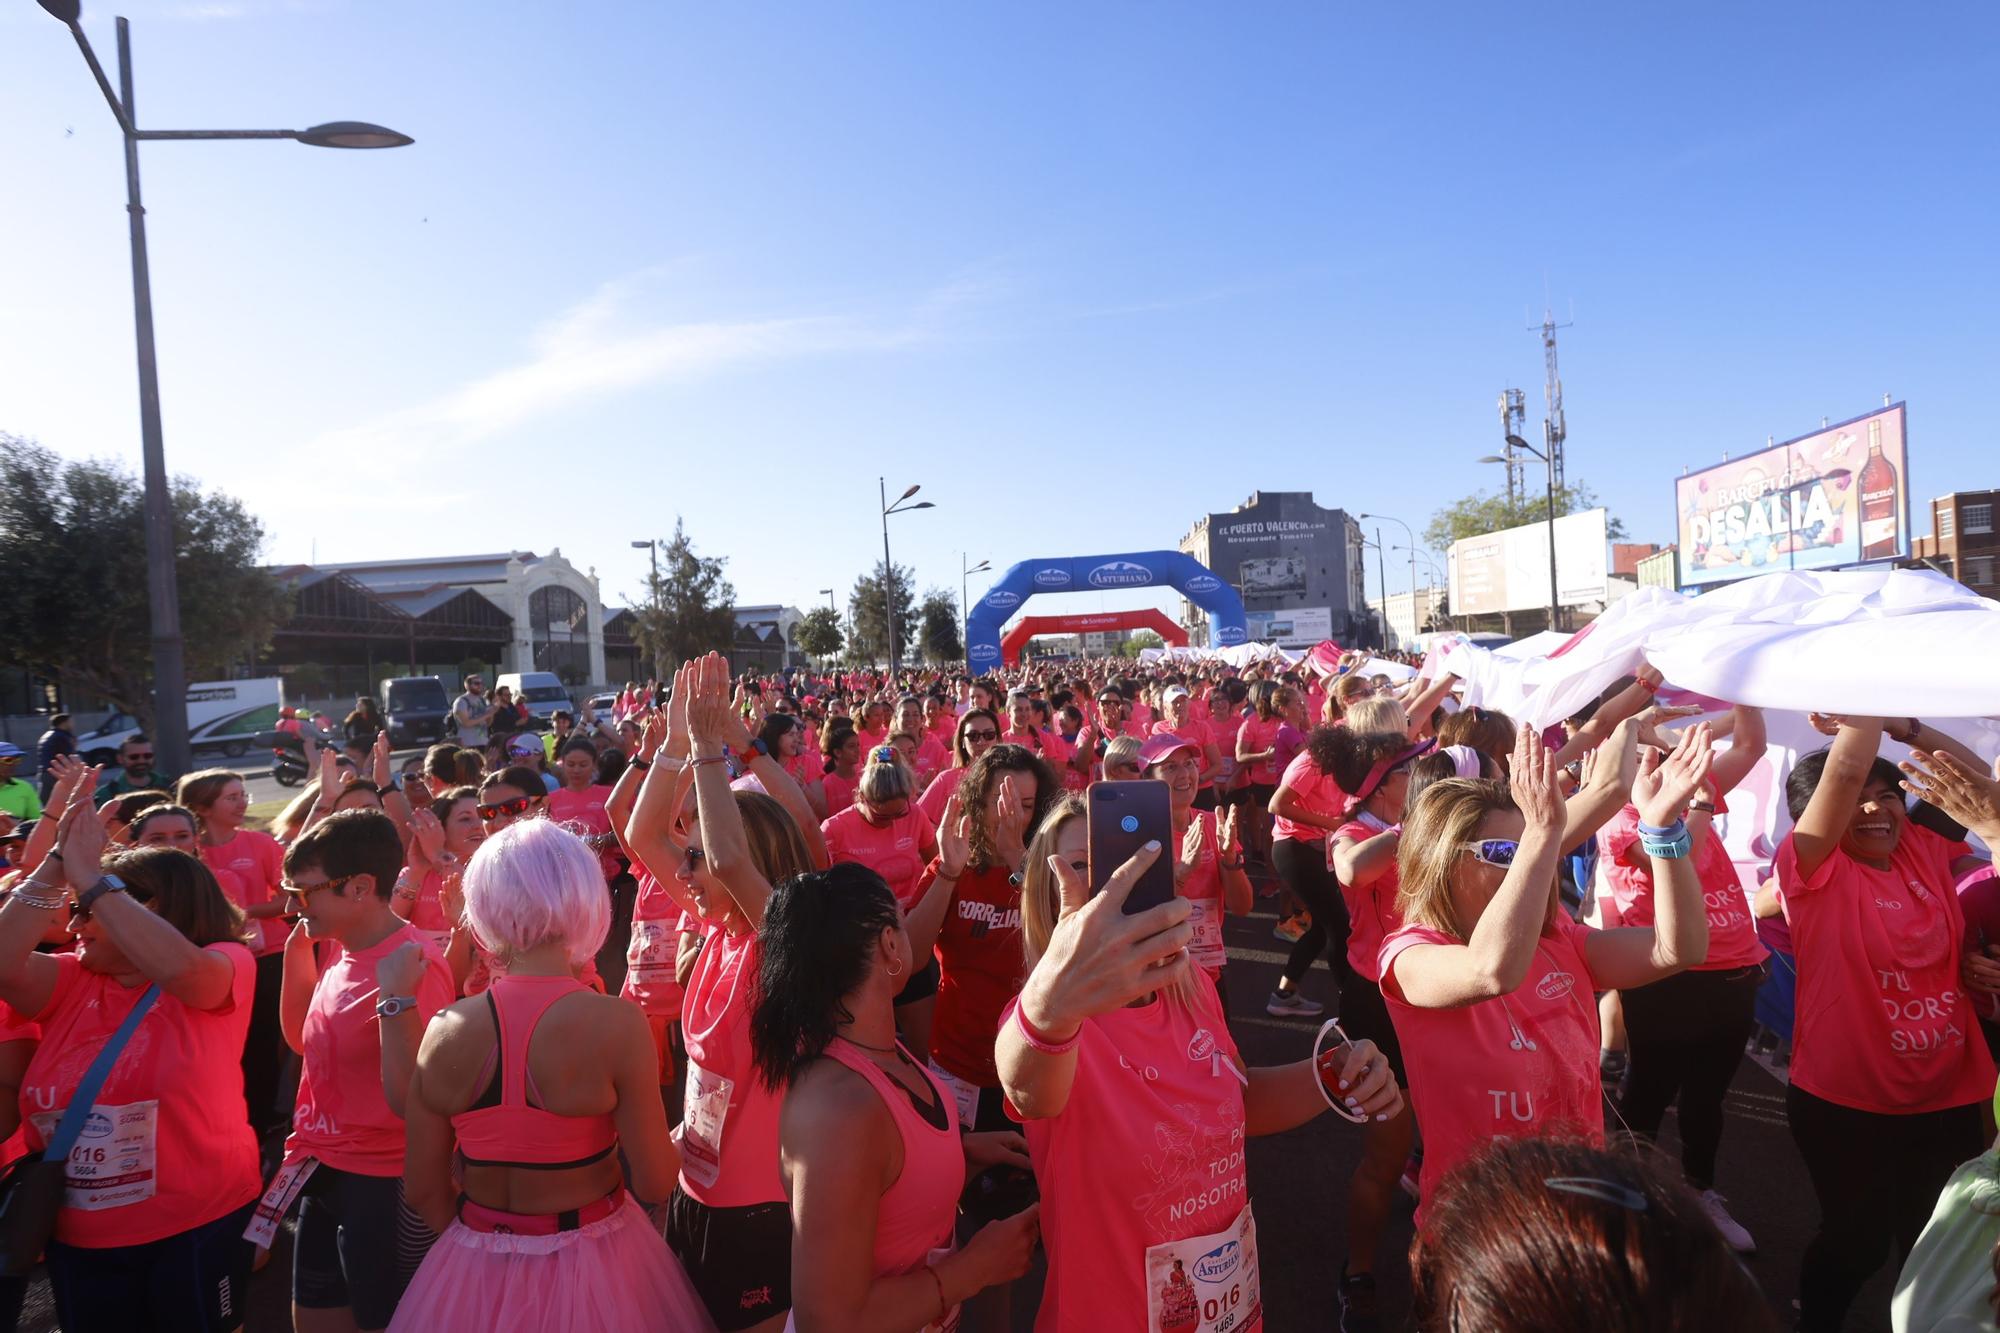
(1121, 818)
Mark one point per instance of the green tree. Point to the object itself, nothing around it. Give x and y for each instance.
(690, 607)
(1138, 642)
(938, 633)
(73, 592)
(819, 634)
(867, 634)
(1479, 513)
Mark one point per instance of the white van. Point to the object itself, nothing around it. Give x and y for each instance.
(542, 691)
(223, 715)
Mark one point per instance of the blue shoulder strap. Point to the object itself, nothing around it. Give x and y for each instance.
(85, 1097)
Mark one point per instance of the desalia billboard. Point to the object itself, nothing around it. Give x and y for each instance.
(1839, 496)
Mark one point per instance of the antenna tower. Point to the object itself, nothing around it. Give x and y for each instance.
(1514, 420)
(1554, 429)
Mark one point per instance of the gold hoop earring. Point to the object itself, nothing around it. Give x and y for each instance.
(895, 971)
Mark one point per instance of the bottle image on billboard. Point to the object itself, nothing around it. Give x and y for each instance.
(1878, 500)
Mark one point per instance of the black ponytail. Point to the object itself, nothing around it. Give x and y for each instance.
(817, 933)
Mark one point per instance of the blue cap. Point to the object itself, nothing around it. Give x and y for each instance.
(9, 750)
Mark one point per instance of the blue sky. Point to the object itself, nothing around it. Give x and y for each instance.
(1083, 271)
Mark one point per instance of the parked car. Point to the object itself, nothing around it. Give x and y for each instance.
(542, 691)
(418, 709)
(603, 705)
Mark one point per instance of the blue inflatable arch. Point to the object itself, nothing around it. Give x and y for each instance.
(1227, 624)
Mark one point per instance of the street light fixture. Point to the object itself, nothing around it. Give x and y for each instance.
(1548, 459)
(653, 589)
(965, 592)
(902, 506)
(163, 590)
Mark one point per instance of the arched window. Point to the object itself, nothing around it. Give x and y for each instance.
(559, 624)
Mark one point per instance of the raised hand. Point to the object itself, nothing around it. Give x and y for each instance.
(80, 843)
(429, 833)
(1535, 785)
(379, 760)
(1664, 787)
(1947, 782)
(1227, 835)
(954, 837)
(1100, 959)
(680, 740)
(1190, 856)
(1011, 815)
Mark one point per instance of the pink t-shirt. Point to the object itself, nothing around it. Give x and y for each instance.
(169, 1141)
(585, 814)
(1732, 932)
(839, 790)
(649, 957)
(931, 758)
(1515, 1066)
(728, 1133)
(1314, 791)
(1371, 908)
(341, 1115)
(249, 867)
(1203, 889)
(939, 794)
(1145, 1166)
(897, 851)
(1258, 735)
(15, 1028)
(1882, 1023)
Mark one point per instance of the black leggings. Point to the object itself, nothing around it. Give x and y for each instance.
(1877, 1178)
(1302, 868)
(1686, 1036)
(264, 1049)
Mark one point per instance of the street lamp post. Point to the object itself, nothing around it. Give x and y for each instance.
(888, 567)
(1437, 576)
(965, 592)
(828, 593)
(1548, 459)
(1415, 626)
(170, 738)
(1381, 582)
(653, 592)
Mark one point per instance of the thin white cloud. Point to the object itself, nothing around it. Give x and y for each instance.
(596, 349)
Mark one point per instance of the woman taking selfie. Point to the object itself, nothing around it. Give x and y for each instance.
(1129, 1215)
(872, 1158)
(1489, 982)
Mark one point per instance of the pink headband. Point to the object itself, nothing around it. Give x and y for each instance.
(1383, 768)
(1465, 758)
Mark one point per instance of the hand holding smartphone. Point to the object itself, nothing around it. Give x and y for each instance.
(1122, 817)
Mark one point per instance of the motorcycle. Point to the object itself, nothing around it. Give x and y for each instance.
(288, 757)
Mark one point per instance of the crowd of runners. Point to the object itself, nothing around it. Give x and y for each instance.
(798, 1001)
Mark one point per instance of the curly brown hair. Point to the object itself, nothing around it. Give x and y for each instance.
(982, 780)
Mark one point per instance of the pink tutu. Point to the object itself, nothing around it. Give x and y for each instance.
(609, 1276)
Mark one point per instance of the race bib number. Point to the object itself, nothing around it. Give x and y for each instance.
(963, 1095)
(1205, 1284)
(112, 1162)
(649, 958)
(1205, 918)
(278, 1200)
(704, 1111)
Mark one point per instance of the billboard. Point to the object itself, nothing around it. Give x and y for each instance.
(1509, 570)
(1839, 496)
(1300, 628)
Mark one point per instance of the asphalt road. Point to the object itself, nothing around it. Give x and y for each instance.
(1298, 1183)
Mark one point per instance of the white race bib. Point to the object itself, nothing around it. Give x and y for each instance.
(277, 1201)
(649, 958)
(963, 1095)
(112, 1161)
(1205, 919)
(1205, 1284)
(704, 1111)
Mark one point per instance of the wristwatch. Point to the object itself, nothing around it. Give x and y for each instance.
(391, 1005)
(106, 884)
(755, 747)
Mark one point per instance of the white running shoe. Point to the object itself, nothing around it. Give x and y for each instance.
(1732, 1230)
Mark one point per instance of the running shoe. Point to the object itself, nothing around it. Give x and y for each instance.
(1291, 1004)
(1732, 1230)
(1289, 930)
(1357, 1303)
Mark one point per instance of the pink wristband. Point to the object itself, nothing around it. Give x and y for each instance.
(1040, 1042)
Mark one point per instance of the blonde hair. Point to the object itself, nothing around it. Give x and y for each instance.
(886, 778)
(1377, 714)
(1122, 751)
(1435, 829)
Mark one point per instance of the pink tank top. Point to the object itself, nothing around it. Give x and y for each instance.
(916, 1213)
(507, 1130)
(729, 1120)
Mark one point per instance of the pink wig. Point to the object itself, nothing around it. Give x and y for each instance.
(535, 883)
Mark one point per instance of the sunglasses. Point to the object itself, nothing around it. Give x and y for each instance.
(514, 805)
(1493, 851)
(983, 734)
(79, 915)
